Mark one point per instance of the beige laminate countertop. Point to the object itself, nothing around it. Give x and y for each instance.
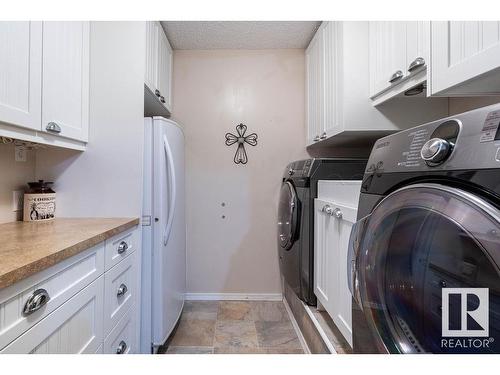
(28, 248)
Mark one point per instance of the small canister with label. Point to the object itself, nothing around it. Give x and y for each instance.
(39, 202)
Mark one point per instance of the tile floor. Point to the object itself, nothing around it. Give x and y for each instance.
(236, 327)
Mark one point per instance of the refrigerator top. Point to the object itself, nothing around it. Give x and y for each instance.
(169, 121)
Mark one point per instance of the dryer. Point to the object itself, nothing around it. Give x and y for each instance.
(424, 256)
(296, 217)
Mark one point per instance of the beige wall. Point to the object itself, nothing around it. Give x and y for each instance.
(13, 176)
(213, 92)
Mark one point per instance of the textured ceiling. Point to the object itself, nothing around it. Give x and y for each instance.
(239, 34)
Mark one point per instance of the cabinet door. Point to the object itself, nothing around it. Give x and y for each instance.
(387, 54)
(463, 50)
(21, 73)
(417, 45)
(66, 77)
(343, 308)
(164, 69)
(123, 337)
(324, 227)
(75, 327)
(315, 87)
(332, 82)
(152, 43)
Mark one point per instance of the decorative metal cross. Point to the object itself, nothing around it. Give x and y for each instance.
(231, 139)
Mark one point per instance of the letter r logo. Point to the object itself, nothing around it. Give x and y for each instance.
(465, 312)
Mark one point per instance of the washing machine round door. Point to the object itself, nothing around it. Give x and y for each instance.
(287, 215)
(427, 271)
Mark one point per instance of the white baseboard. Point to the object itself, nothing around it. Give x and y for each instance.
(234, 296)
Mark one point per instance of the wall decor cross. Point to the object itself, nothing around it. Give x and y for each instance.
(240, 157)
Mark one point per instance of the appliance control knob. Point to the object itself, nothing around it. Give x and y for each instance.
(435, 150)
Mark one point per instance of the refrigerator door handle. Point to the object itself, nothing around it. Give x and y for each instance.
(172, 189)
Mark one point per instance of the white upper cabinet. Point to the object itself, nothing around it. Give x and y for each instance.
(21, 73)
(165, 70)
(387, 54)
(151, 68)
(158, 72)
(465, 58)
(339, 108)
(399, 55)
(315, 84)
(332, 101)
(65, 83)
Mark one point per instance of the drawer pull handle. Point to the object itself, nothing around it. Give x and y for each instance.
(122, 347)
(122, 247)
(53, 127)
(396, 76)
(316, 139)
(323, 136)
(337, 212)
(157, 93)
(36, 301)
(417, 63)
(162, 99)
(121, 290)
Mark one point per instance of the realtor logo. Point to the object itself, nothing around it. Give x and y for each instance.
(465, 312)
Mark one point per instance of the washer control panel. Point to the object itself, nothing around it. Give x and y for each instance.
(470, 140)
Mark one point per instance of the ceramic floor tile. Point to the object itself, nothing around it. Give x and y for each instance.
(268, 311)
(235, 334)
(194, 332)
(202, 310)
(234, 310)
(277, 335)
(190, 350)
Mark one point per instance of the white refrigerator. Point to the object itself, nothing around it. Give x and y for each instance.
(164, 232)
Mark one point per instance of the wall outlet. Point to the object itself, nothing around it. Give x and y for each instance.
(17, 200)
(20, 153)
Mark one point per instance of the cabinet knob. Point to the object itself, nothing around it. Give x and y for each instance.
(162, 99)
(327, 209)
(53, 127)
(323, 136)
(122, 347)
(337, 212)
(316, 139)
(122, 247)
(36, 301)
(417, 63)
(121, 290)
(157, 93)
(396, 76)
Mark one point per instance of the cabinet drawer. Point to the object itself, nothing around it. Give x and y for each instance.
(122, 339)
(120, 246)
(120, 291)
(61, 281)
(75, 327)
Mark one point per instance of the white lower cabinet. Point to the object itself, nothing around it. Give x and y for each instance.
(120, 291)
(335, 212)
(85, 309)
(75, 327)
(122, 339)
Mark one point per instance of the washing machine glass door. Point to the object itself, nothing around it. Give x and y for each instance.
(427, 268)
(287, 215)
